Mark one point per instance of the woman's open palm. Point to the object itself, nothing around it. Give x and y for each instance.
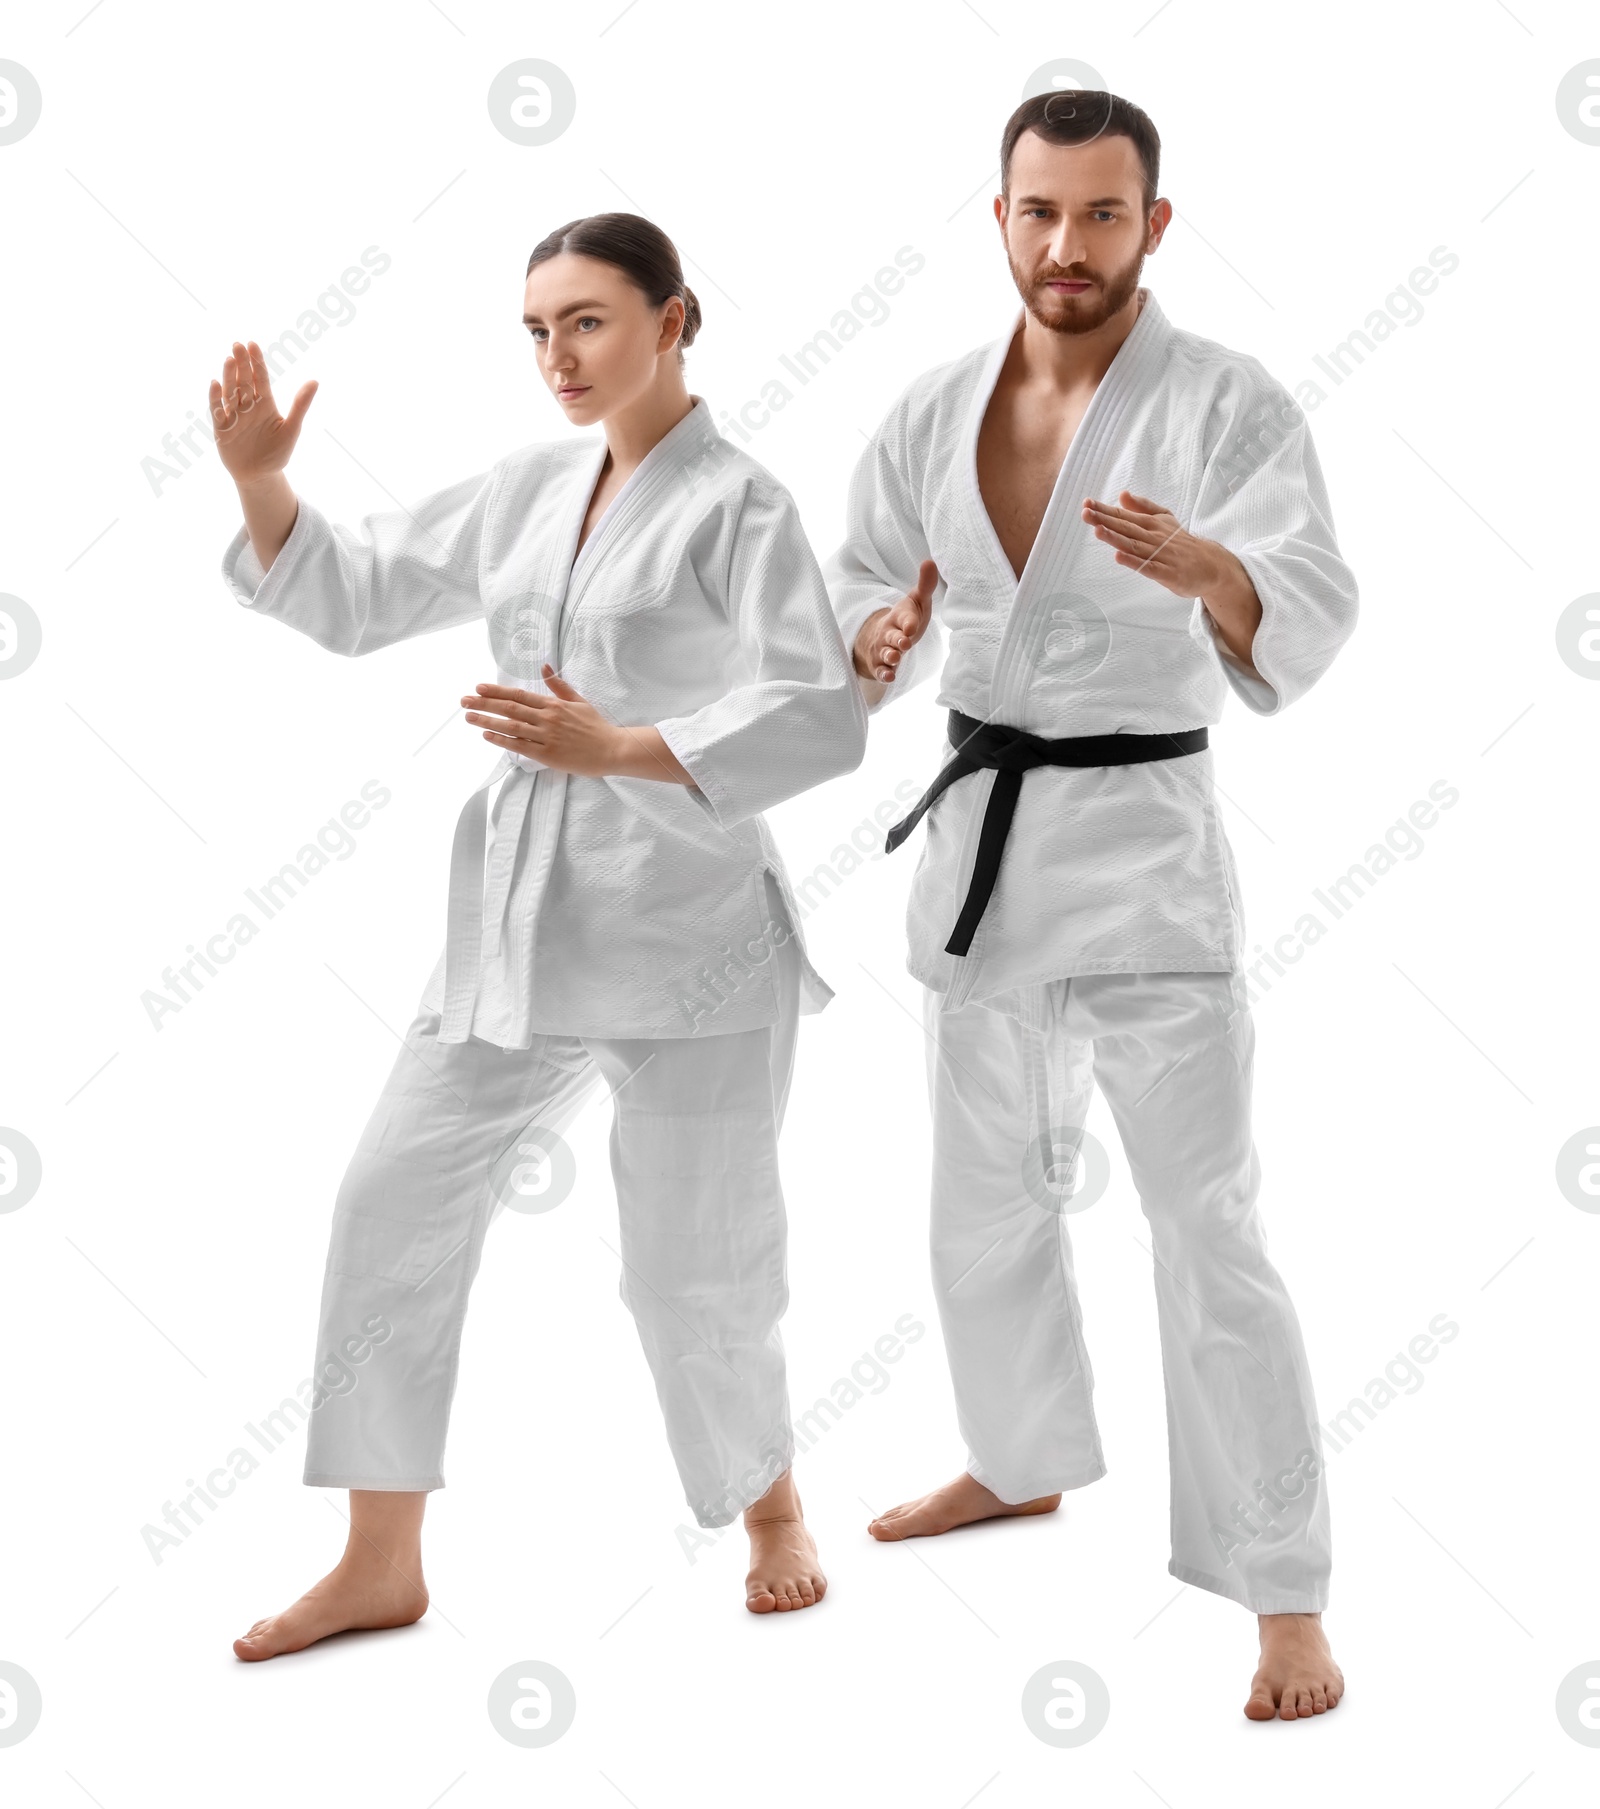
(253, 439)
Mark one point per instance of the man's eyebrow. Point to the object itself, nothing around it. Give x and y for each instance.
(1049, 201)
(529, 320)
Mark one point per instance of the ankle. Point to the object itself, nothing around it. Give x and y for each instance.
(397, 1569)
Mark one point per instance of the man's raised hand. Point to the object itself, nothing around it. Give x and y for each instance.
(889, 634)
(253, 440)
(1150, 540)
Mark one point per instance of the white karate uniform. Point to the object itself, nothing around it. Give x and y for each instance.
(619, 927)
(695, 605)
(694, 1157)
(1111, 946)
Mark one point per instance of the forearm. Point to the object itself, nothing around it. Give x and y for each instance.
(270, 506)
(1230, 600)
(643, 753)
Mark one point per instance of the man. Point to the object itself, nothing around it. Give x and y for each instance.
(1113, 521)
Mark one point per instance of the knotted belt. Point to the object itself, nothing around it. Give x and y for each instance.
(480, 891)
(1011, 753)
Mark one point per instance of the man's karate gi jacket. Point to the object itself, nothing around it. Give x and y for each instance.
(1110, 869)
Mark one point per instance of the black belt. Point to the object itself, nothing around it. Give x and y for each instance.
(1011, 753)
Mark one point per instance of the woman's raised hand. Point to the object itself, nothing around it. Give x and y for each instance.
(253, 440)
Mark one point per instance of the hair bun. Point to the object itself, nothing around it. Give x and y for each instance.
(691, 316)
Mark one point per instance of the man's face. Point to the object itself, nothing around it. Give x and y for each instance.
(1075, 229)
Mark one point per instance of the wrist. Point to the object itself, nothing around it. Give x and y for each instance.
(1217, 575)
(623, 753)
(264, 484)
(859, 658)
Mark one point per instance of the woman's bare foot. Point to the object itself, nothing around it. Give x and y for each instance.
(784, 1572)
(1297, 1675)
(958, 1503)
(377, 1583)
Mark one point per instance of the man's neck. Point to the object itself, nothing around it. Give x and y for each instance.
(1069, 361)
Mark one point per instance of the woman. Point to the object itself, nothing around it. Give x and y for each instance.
(668, 666)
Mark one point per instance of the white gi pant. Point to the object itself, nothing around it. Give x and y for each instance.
(1011, 1081)
(694, 1155)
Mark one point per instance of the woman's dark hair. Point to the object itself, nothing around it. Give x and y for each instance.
(1076, 115)
(640, 250)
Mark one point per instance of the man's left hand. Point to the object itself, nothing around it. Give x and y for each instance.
(1149, 539)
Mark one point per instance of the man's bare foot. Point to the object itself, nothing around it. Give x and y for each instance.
(958, 1503)
(784, 1572)
(1297, 1675)
(377, 1583)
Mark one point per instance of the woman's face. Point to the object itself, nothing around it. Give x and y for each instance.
(598, 341)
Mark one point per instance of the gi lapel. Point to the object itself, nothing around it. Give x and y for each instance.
(524, 632)
(1062, 537)
(684, 450)
(988, 377)
(524, 627)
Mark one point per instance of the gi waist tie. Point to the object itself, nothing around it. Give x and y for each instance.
(479, 891)
(1011, 753)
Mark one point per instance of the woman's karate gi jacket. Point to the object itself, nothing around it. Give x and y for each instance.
(610, 907)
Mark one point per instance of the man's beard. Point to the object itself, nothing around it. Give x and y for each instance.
(1078, 313)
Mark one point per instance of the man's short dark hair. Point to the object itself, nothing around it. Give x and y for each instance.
(1077, 115)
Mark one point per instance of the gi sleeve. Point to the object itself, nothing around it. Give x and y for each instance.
(877, 563)
(1262, 496)
(407, 572)
(798, 718)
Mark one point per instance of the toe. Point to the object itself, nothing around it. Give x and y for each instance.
(759, 1599)
(1262, 1705)
(808, 1593)
(1319, 1700)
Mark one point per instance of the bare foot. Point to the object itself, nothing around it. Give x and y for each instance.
(342, 1600)
(958, 1503)
(784, 1572)
(1297, 1675)
(377, 1583)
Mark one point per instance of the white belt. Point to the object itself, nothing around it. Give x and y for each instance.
(476, 895)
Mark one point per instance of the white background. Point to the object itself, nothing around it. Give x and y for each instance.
(200, 174)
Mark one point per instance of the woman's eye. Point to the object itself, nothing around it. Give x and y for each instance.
(534, 332)
(588, 320)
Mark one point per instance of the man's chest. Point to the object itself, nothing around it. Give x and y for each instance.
(1021, 449)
